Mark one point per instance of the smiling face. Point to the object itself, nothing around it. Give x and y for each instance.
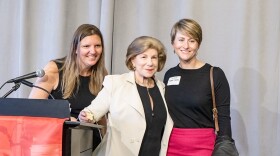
(146, 64)
(185, 47)
(89, 51)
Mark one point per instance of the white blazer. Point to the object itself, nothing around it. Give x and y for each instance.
(126, 118)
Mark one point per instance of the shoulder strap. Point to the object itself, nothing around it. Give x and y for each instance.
(215, 111)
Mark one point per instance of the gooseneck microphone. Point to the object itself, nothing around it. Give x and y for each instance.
(27, 83)
(38, 73)
(18, 80)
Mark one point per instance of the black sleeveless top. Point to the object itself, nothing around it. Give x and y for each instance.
(79, 100)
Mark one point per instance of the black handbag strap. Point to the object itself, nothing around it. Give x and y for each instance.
(214, 110)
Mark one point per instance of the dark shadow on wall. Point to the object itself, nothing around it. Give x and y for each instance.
(238, 126)
(248, 91)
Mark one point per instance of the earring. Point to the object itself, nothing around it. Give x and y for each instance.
(134, 68)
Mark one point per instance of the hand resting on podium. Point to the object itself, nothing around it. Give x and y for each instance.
(86, 116)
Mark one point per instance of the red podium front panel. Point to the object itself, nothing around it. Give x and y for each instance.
(33, 134)
(30, 136)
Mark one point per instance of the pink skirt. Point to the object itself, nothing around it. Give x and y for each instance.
(191, 142)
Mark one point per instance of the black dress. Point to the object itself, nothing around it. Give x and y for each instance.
(79, 101)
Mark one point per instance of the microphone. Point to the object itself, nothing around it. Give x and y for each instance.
(38, 73)
(27, 83)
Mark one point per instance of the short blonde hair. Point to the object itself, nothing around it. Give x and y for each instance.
(188, 27)
(140, 45)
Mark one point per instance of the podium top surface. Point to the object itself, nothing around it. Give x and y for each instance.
(34, 107)
(81, 125)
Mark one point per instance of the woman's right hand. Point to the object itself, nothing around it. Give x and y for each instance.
(85, 116)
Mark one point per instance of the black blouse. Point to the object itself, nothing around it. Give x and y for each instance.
(189, 100)
(155, 120)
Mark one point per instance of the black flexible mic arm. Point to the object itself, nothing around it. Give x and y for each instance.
(27, 83)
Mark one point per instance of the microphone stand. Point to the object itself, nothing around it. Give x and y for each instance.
(14, 88)
(27, 83)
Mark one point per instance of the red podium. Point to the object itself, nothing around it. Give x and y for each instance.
(32, 127)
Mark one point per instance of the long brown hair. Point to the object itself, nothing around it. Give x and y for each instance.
(70, 69)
